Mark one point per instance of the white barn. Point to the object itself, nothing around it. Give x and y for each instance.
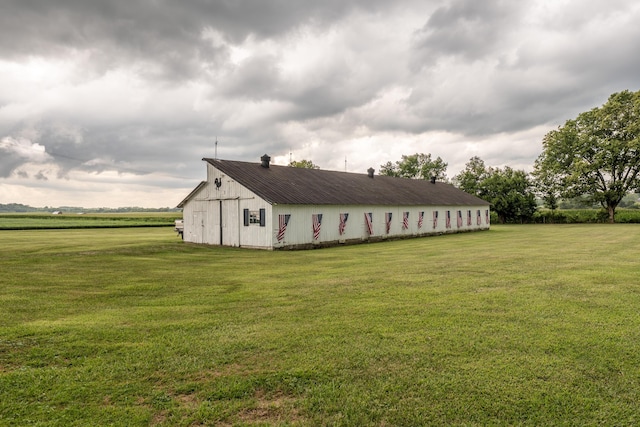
(263, 206)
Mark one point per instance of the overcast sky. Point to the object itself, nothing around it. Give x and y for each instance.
(114, 103)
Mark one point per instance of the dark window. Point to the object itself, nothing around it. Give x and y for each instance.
(253, 217)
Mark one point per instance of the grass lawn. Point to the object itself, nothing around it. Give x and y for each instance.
(28, 221)
(520, 325)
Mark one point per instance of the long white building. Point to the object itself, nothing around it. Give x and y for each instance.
(259, 205)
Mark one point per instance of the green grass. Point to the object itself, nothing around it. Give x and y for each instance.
(520, 325)
(30, 221)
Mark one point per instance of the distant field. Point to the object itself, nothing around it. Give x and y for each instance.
(520, 325)
(29, 221)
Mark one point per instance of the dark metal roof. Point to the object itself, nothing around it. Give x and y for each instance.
(297, 186)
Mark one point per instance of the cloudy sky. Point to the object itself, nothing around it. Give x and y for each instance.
(114, 103)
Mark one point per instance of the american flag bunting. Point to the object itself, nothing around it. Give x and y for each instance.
(420, 219)
(459, 219)
(405, 220)
(469, 220)
(479, 218)
(343, 222)
(448, 221)
(283, 221)
(317, 222)
(387, 220)
(435, 219)
(368, 219)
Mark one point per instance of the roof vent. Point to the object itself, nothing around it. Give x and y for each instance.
(265, 161)
(370, 172)
(433, 179)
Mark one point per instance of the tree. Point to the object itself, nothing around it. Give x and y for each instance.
(509, 191)
(548, 188)
(304, 164)
(596, 155)
(416, 166)
(471, 177)
(550, 201)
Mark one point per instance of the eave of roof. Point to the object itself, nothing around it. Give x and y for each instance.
(288, 185)
(194, 191)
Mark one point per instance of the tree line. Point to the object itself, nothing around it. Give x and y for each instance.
(20, 208)
(594, 158)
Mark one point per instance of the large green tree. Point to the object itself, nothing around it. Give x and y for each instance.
(416, 166)
(595, 155)
(509, 191)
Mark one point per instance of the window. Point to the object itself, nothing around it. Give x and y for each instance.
(254, 217)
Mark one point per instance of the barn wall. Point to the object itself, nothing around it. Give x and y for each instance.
(215, 214)
(299, 230)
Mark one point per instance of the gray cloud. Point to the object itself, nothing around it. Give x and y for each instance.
(165, 33)
(467, 29)
(138, 91)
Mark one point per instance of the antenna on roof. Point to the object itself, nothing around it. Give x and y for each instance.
(290, 156)
(215, 153)
(345, 163)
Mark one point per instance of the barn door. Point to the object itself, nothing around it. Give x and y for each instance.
(197, 230)
(230, 223)
(214, 236)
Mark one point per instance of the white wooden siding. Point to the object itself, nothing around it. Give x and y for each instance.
(299, 230)
(203, 220)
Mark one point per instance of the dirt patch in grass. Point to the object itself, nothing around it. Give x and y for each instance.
(159, 418)
(271, 408)
(188, 401)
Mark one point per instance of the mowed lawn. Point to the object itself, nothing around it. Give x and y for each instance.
(520, 325)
